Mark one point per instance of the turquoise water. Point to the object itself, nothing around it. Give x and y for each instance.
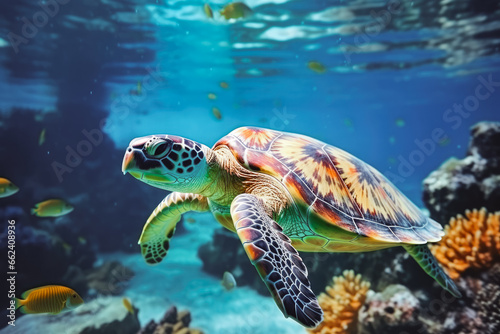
(399, 91)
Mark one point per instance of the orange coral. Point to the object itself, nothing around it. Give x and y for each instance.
(341, 304)
(469, 242)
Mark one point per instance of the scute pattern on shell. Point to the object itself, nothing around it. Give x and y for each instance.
(336, 186)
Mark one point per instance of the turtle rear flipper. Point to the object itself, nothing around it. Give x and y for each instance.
(160, 227)
(427, 261)
(276, 260)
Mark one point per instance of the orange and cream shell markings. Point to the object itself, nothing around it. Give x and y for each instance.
(334, 185)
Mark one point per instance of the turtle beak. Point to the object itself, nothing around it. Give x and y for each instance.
(128, 161)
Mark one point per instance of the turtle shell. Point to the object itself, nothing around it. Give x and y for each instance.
(332, 185)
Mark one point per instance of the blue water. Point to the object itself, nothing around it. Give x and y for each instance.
(391, 82)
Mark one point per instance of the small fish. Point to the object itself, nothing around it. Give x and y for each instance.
(82, 240)
(392, 140)
(316, 67)
(67, 248)
(400, 122)
(228, 281)
(348, 122)
(51, 299)
(41, 138)
(51, 208)
(216, 113)
(7, 188)
(224, 85)
(208, 11)
(139, 88)
(236, 10)
(190, 220)
(444, 141)
(128, 305)
(212, 96)
(392, 160)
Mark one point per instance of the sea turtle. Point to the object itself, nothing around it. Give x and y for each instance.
(281, 193)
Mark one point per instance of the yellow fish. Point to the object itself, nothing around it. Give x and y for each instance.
(41, 138)
(7, 188)
(216, 113)
(208, 11)
(228, 281)
(316, 67)
(212, 96)
(51, 208)
(236, 10)
(400, 122)
(51, 299)
(224, 85)
(139, 88)
(128, 305)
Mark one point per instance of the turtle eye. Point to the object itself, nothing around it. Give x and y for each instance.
(159, 149)
(74, 296)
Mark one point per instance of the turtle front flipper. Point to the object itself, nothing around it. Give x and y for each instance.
(428, 262)
(276, 260)
(161, 224)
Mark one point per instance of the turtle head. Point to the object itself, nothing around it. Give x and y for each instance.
(167, 162)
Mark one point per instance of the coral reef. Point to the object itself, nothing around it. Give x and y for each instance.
(173, 322)
(487, 302)
(472, 182)
(469, 242)
(103, 315)
(394, 310)
(483, 317)
(341, 304)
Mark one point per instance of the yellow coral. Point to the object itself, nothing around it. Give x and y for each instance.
(469, 242)
(341, 304)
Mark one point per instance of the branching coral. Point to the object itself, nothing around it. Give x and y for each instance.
(469, 242)
(341, 304)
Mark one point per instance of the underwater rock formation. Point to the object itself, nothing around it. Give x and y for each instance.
(109, 279)
(394, 310)
(173, 322)
(472, 182)
(93, 184)
(103, 315)
(341, 304)
(35, 245)
(469, 242)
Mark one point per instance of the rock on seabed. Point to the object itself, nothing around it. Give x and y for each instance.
(472, 182)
